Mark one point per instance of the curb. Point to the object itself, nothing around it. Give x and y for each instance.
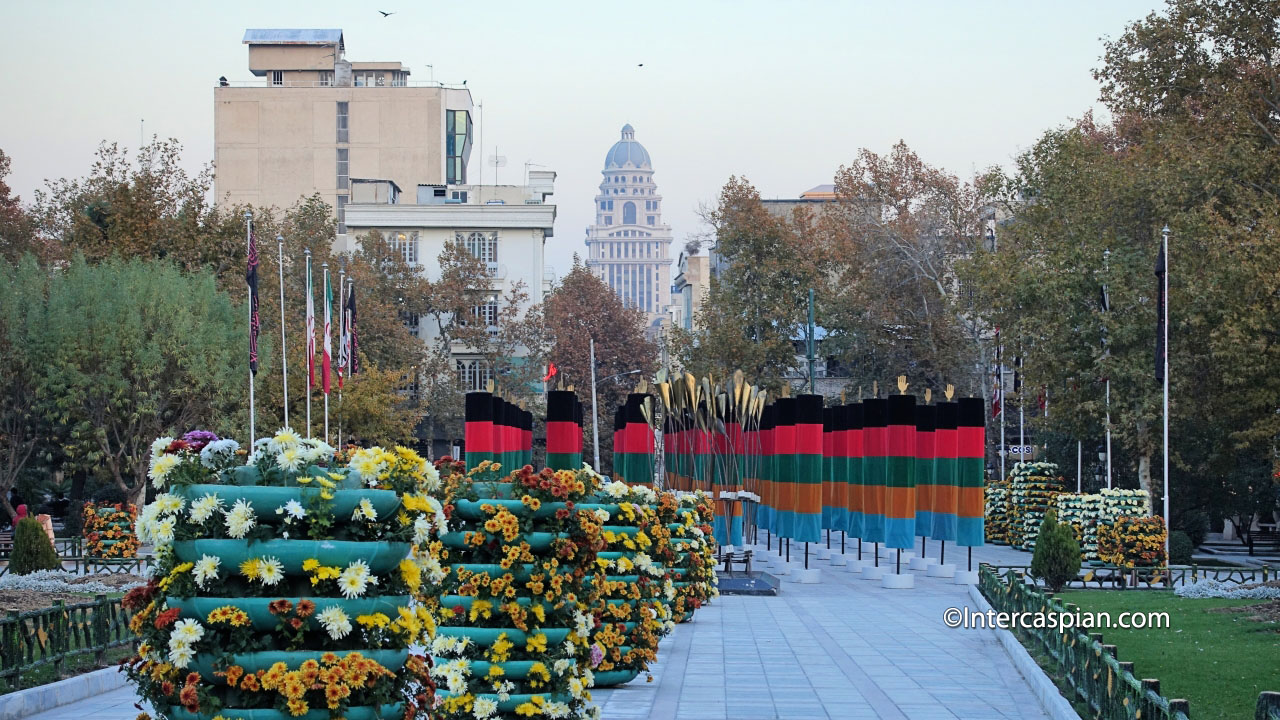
(1051, 700)
(22, 703)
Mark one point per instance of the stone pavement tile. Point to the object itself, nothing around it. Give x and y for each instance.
(926, 712)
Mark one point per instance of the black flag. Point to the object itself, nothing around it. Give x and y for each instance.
(251, 277)
(1161, 311)
(353, 358)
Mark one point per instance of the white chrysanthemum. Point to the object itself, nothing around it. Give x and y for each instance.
(354, 580)
(365, 511)
(162, 531)
(169, 503)
(432, 477)
(369, 463)
(504, 689)
(421, 530)
(218, 453)
(204, 508)
(576, 688)
(187, 631)
(583, 623)
(161, 466)
(615, 489)
(240, 519)
(316, 451)
(290, 459)
(206, 569)
(293, 509)
(485, 708)
(556, 710)
(181, 656)
(601, 515)
(335, 622)
(159, 444)
(561, 666)
(285, 438)
(270, 571)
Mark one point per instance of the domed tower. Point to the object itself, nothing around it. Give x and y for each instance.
(629, 246)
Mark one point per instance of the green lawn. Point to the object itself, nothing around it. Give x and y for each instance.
(1220, 662)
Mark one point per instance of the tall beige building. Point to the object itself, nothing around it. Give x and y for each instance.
(316, 120)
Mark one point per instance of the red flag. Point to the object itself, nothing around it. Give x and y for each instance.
(995, 398)
(551, 372)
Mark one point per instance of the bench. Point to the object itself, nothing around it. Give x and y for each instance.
(731, 558)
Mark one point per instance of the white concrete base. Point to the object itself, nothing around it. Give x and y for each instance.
(905, 581)
(852, 565)
(839, 560)
(941, 571)
(812, 576)
(893, 554)
(780, 569)
(966, 577)
(919, 563)
(824, 553)
(871, 572)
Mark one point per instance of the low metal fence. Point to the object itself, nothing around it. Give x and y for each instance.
(54, 635)
(90, 566)
(1104, 577)
(1092, 668)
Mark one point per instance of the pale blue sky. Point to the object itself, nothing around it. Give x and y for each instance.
(781, 92)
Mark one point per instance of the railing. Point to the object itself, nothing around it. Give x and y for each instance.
(1092, 669)
(318, 84)
(1268, 706)
(51, 636)
(92, 565)
(1110, 576)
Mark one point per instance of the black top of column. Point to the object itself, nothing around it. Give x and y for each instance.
(972, 412)
(479, 407)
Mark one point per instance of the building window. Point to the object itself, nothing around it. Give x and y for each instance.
(326, 78)
(406, 245)
(608, 219)
(629, 213)
(486, 313)
(343, 119)
(457, 140)
(342, 214)
(482, 245)
(398, 78)
(473, 375)
(277, 78)
(652, 220)
(411, 321)
(344, 163)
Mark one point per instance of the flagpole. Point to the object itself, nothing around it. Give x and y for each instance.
(311, 339)
(342, 338)
(248, 239)
(284, 356)
(1106, 300)
(1000, 352)
(1108, 433)
(328, 313)
(1164, 282)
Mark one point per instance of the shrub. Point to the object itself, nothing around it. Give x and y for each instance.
(1180, 548)
(32, 550)
(1057, 555)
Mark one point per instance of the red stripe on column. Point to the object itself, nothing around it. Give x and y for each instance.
(970, 441)
(902, 441)
(808, 439)
(479, 436)
(562, 437)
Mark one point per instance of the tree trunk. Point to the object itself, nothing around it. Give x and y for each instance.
(1144, 476)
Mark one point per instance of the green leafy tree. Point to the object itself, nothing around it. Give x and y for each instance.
(21, 370)
(32, 550)
(1056, 559)
(135, 349)
(17, 229)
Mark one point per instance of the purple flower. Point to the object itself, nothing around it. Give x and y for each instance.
(597, 655)
(197, 439)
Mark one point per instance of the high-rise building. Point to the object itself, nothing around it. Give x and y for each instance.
(316, 120)
(628, 246)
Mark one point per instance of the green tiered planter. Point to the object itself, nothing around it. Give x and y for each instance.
(380, 557)
(262, 619)
(265, 499)
(253, 662)
(362, 712)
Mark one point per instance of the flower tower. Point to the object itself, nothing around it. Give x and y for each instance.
(515, 617)
(287, 587)
(109, 530)
(688, 518)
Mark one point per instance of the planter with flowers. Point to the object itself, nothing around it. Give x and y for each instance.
(288, 587)
(1133, 542)
(108, 531)
(694, 571)
(515, 620)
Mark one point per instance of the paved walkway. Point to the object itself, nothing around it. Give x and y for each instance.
(842, 649)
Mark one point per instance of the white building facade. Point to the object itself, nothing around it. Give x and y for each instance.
(628, 246)
(506, 226)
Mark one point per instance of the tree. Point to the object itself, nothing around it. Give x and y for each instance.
(17, 231)
(1056, 559)
(757, 305)
(583, 308)
(32, 549)
(892, 303)
(21, 370)
(135, 349)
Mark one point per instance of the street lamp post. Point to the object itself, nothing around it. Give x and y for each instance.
(595, 410)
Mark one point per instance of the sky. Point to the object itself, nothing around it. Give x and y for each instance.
(782, 93)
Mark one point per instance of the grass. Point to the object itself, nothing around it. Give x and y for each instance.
(1220, 662)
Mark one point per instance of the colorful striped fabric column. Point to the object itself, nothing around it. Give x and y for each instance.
(578, 418)
(839, 478)
(638, 466)
(527, 438)
(875, 468)
(784, 464)
(668, 453)
(970, 451)
(853, 469)
(900, 497)
(564, 435)
(828, 477)
(944, 472)
(701, 459)
(926, 421)
(735, 465)
(808, 478)
(767, 514)
(477, 440)
(619, 441)
(498, 443)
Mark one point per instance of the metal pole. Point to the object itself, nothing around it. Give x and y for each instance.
(1165, 282)
(311, 339)
(811, 391)
(328, 326)
(1000, 351)
(595, 411)
(343, 359)
(1109, 433)
(284, 356)
(1079, 463)
(248, 240)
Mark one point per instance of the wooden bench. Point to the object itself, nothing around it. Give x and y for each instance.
(740, 558)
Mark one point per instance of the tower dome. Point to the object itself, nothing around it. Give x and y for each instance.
(627, 152)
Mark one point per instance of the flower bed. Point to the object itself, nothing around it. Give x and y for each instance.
(997, 512)
(516, 614)
(1032, 489)
(1088, 512)
(287, 587)
(689, 517)
(1133, 542)
(108, 530)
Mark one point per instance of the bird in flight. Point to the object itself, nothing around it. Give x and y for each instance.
(386, 14)
(640, 65)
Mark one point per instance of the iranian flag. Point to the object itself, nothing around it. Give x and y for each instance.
(328, 328)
